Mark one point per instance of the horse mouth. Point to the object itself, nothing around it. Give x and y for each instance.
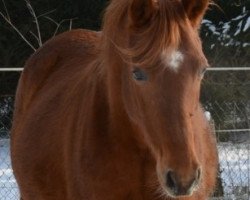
(171, 194)
(177, 192)
(174, 195)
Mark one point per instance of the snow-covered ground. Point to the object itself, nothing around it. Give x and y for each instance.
(235, 170)
(234, 164)
(8, 186)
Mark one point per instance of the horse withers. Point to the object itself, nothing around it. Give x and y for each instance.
(115, 115)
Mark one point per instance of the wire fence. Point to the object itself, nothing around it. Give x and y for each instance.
(226, 98)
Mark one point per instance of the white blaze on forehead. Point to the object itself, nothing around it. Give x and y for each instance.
(173, 59)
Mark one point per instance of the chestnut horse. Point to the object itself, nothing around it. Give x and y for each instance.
(115, 115)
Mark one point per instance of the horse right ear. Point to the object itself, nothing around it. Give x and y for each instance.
(195, 10)
(142, 11)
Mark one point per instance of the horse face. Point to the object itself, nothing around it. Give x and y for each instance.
(163, 102)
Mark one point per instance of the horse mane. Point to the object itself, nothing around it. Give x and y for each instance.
(162, 33)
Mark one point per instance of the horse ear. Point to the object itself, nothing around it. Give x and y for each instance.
(195, 10)
(142, 11)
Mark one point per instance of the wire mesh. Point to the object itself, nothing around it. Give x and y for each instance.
(226, 97)
(8, 186)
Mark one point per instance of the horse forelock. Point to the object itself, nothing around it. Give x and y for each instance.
(143, 46)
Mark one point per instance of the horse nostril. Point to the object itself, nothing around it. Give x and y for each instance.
(198, 174)
(171, 181)
(177, 187)
(196, 180)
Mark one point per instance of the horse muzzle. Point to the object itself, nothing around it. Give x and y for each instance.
(176, 186)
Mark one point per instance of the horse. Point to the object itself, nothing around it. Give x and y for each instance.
(115, 114)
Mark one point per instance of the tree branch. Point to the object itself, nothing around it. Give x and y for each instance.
(32, 12)
(60, 23)
(6, 10)
(15, 28)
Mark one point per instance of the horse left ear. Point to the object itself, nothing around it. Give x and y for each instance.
(195, 10)
(142, 11)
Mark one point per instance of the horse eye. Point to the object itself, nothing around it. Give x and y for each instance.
(139, 75)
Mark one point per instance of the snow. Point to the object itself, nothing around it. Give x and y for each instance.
(211, 27)
(247, 25)
(238, 31)
(226, 27)
(208, 115)
(228, 32)
(246, 44)
(234, 166)
(8, 186)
